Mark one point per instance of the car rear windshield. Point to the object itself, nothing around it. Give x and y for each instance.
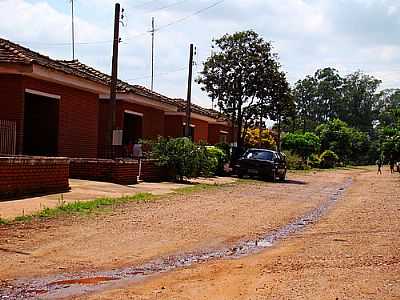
(254, 154)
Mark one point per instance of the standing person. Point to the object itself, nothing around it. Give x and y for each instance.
(379, 164)
(391, 165)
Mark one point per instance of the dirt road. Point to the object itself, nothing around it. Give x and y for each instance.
(351, 253)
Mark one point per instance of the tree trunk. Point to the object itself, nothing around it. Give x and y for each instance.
(279, 134)
(260, 143)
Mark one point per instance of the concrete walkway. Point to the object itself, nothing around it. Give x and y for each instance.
(84, 190)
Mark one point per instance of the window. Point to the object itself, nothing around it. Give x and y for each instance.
(262, 155)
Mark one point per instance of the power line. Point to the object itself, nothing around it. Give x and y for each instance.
(189, 16)
(145, 3)
(157, 74)
(166, 6)
(134, 36)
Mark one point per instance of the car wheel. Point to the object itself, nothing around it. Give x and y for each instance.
(273, 176)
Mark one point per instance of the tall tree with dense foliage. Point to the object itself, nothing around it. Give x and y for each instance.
(279, 103)
(240, 70)
(361, 101)
(302, 144)
(305, 92)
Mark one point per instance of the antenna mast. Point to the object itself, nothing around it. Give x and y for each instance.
(152, 53)
(73, 30)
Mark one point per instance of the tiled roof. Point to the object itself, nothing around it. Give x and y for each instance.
(16, 54)
(122, 87)
(198, 109)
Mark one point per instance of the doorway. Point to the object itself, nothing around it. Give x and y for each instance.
(41, 117)
(133, 128)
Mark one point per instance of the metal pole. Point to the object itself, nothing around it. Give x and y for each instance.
(189, 93)
(152, 53)
(73, 30)
(114, 72)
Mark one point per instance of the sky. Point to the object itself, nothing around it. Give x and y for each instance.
(349, 35)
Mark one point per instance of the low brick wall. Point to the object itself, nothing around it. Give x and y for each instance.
(120, 171)
(153, 173)
(108, 170)
(20, 175)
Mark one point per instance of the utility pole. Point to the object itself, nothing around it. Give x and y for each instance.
(73, 30)
(152, 53)
(189, 93)
(114, 74)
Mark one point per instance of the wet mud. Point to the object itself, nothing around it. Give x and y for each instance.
(68, 285)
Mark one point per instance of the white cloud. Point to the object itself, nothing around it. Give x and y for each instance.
(307, 34)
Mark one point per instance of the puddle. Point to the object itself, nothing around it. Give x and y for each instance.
(83, 281)
(68, 285)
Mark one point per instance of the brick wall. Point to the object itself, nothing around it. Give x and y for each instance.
(214, 133)
(107, 170)
(12, 104)
(78, 118)
(174, 126)
(153, 173)
(117, 171)
(25, 175)
(153, 120)
(200, 131)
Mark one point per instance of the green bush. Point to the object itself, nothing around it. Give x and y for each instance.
(295, 162)
(226, 148)
(329, 159)
(183, 158)
(218, 159)
(314, 161)
(301, 144)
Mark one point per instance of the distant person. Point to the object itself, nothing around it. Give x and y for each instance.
(379, 164)
(391, 166)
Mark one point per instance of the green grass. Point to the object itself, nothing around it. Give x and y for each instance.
(4, 222)
(80, 208)
(197, 188)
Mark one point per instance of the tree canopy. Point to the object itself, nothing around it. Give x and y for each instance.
(243, 75)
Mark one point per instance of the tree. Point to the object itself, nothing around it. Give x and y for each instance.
(304, 93)
(337, 136)
(328, 104)
(318, 98)
(279, 103)
(302, 144)
(235, 74)
(361, 101)
(252, 138)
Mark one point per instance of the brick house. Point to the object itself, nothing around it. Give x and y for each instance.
(61, 107)
(206, 124)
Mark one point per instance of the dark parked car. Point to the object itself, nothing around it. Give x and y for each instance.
(262, 163)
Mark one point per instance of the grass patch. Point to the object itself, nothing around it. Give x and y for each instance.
(197, 188)
(81, 207)
(4, 222)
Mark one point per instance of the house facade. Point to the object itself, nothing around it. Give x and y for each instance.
(61, 108)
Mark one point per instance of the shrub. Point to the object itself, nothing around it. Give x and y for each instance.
(218, 159)
(226, 148)
(301, 144)
(329, 159)
(295, 162)
(183, 158)
(314, 161)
